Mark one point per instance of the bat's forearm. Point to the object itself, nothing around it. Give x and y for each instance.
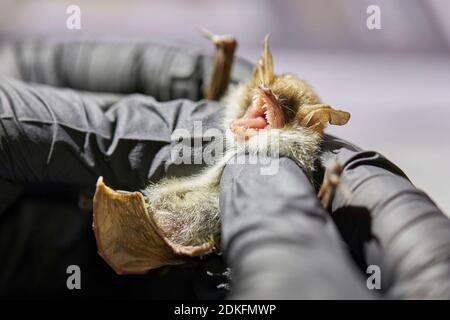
(223, 61)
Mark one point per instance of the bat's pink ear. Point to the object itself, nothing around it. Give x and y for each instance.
(263, 71)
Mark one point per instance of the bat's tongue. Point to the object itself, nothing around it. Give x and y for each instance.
(264, 112)
(252, 123)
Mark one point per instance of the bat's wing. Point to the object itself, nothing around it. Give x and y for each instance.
(223, 61)
(129, 239)
(330, 183)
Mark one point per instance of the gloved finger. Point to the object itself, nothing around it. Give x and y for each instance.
(278, 240)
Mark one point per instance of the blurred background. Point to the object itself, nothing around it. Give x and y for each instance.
(395, 81)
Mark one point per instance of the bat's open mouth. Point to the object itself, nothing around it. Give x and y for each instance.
(265, 112)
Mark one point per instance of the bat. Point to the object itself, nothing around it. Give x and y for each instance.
(178, 218)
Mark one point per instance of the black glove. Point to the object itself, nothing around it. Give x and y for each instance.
(279, 241)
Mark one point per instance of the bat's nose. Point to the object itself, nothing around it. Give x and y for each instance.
(264, 88)
(265, 91)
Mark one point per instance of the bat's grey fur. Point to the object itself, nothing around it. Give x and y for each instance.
(187, 209)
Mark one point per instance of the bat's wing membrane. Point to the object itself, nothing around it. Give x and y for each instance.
(129, 239)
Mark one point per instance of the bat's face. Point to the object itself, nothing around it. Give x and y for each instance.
(273, 105)
(272, 101)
